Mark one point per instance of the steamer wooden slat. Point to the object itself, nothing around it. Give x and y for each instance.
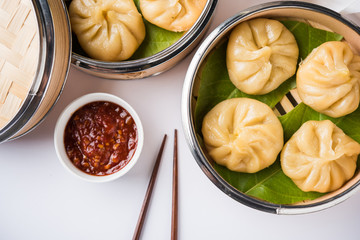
(9, 5)
(18, 18)
(15, 74)
(4, 17)
(286, 104)
(5, 85)
(19, 53)
(9, 108)
(7, 37)
(2, 62)
(25, 35)
(295, 95)
(18, 90)
(27, 64)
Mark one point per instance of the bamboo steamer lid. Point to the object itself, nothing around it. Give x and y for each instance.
(19, 53)
(35, 52)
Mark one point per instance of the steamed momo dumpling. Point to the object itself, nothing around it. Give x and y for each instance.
(328, 79)
(172, 15)
(109, 30)
(261, 54)
(319, 157)
(242, 134)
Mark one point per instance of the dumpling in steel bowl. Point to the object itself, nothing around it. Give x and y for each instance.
(261, 54)
(172, 15)
(242, 134)
(320, 157)
(108, 30)
(328, 79)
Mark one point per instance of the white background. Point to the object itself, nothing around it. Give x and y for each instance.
(39, 199)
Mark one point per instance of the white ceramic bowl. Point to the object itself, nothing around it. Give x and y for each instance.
(63, 120)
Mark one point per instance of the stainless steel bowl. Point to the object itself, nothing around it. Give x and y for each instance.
(286, 9)
(153, 65)
(53, 66)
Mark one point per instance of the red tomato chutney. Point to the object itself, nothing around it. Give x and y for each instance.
(100, 138)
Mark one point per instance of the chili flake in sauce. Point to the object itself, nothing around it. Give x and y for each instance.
(100, 138)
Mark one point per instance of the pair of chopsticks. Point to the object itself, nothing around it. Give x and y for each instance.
(174, 218)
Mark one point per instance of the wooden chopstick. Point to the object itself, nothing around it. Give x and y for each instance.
(145, 205)
(174, 216)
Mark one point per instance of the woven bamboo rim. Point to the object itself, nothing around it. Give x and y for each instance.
(19, 53)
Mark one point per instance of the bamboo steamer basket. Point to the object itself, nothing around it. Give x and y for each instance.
(35, 52)
(313, 14)
(148, 66)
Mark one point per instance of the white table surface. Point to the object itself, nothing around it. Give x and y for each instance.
(39, 199)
